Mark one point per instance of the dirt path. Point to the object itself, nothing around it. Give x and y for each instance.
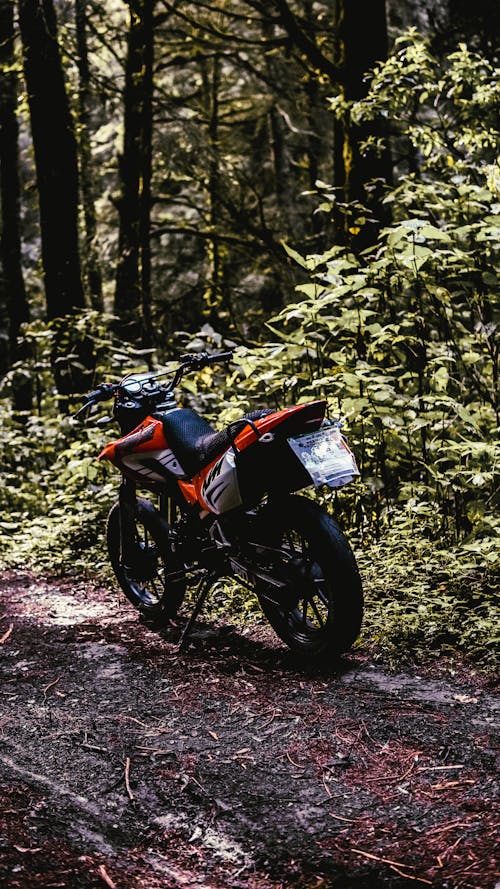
(123, 764)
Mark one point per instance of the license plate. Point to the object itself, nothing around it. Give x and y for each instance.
(326, 456)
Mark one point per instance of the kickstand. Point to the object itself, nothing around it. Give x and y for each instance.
(204, 589)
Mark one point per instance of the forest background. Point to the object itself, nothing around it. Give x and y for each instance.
(314, 183)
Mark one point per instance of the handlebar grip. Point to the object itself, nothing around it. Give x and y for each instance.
(91, 396)
(202, 359)
(102, 393)
(220, 356)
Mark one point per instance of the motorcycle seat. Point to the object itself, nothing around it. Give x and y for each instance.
(194, 441)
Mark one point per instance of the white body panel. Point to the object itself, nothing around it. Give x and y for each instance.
(144, 465)
(220, 490)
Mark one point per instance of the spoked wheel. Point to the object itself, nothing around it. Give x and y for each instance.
(313, 598)
(148, 572)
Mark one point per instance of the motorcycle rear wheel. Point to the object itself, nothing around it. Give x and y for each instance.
(150, 576)
(318, 608)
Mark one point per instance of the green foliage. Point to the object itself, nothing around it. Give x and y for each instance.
(401, 340)
(425, 599)
(54, 494)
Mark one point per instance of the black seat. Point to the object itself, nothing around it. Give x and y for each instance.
(194, 442)
(192, 439)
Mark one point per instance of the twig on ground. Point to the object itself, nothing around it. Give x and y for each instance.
(410, 876)
(327, 790)
(445, 827)
(6, 634)
(127, 777)
(101, 870)
(448, 784)
(384, 860)
(470, 866)
(437, 768)
(295, 764)
(121, 716)
(448, 851)
(195, 780)
(271, 719)
(155, 751)
(408, 772)
(51, 685)
(393, 777)
(340, 818)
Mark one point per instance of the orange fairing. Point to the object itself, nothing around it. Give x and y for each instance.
(188, 491)
(148, 436)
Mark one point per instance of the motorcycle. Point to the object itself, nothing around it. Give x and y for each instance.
(226, 506)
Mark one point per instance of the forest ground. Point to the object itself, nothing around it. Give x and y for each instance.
(124, 764)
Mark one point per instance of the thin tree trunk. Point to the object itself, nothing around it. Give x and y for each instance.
(216, 271)
(133, 274)
(285, 197)
(147, 171)
(17, 309)
(90, 259)
(359, 48)
(318, 141)
(55, 157)
(283, 176)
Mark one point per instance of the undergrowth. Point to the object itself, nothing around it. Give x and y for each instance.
(423, 599)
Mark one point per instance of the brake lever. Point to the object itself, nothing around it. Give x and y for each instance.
(86, 407)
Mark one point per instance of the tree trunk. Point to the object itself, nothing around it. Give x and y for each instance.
(319, 142)
(133, 274)
(214, 292)
(16, 304)
(362, 41)
(147, 172)
(55, 156)
(91, 268)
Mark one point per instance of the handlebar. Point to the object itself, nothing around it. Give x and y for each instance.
(188, 362)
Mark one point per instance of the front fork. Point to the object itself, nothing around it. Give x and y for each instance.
(127, 499)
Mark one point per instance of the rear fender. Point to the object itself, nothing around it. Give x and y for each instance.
(291, 421)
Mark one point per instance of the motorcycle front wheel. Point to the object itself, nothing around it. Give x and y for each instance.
(309, 589)
(149, 574)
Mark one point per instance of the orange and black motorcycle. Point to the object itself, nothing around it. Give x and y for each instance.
(226, 508)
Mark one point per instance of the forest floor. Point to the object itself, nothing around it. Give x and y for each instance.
(124, 764)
